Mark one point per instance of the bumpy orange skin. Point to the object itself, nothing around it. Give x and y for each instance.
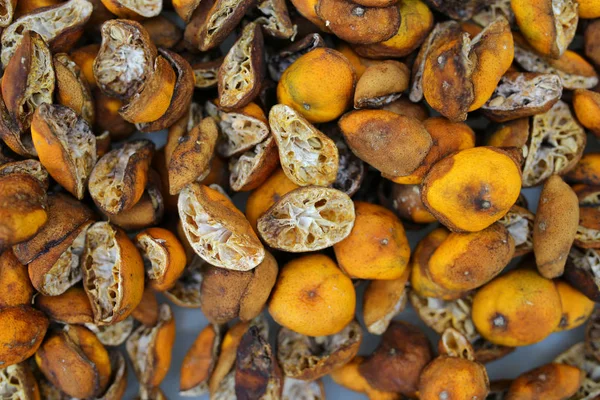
(589, 9)
(457, 377)
(377, 247)
(586, 104)
(586, 171)
(316, 304)
(511, 134)
(470, 190)
(267, 194)
(196, 366)
(360, 64)
(23, 329)
(71, 307)
(14, 279)
(318, 98)
(447, 137)
(517, 309)
(548, 382)
(576, 307)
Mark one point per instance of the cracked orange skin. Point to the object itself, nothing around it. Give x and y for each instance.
(305, 85)
(318, 303)
(518, 308)
(473, 188)
(576, 307)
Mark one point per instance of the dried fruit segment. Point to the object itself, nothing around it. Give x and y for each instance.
(18, 382)
(186, 292)
(134, 9)
(308, 157)
(217, 231)
(164, 257)
(276, 21)
(253, 167)
(73, 90)
(308, 219)
(65, 145)
(199, 362)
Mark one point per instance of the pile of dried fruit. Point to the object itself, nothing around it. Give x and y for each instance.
(345, 120)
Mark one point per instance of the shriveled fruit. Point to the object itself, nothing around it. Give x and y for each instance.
(19, 381)
(253, 167)
(580, 272)
(71, 307)
(586, 104)
(199, 362)
(275, 19)
(115, 334)
(23, 332)
(307, 219)
(132, 9)
(228, 354)
(14, 277)
(576, 307)
(349, 377)
(550, 381)
(316, 304)
(164, 257)
(186, 292)
(217, 231)
(519, 221)
(382, 301)
(73, 90)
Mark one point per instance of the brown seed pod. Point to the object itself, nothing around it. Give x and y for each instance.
(519, 223)
(182, 93)
(555, 227)
(556, 145)
(22, 208)
(397, 362)
(573, 70)
(70, 307)
(14, 277)
(550, 381)
(441, 315)
(186, 292)
(31, 77)
(125, 60)
(189, 150)
(307, 219)
(580, 272)
(53, 255)
(18, 381)
(86, 357)
(256, 380)
(212, 21)
(61, 24)
(250, 169)
(164, 33)
(113, 273)
(30, 167)
(148, 211)
(298, 389)
(217, 231)
(275, 19)
(164, 257)
(119, 178)
(279, 62)
(65, 145)
(199, 362)
(381, 84)
(24, 330)
(308, 358)
(150, 349)
(147, 311)
(115, 334)
(136, 10)
(111, 121)
(243, 69)
(358, 24)
(307, 156)
(382, 139)
(521, 95)
(382, 301)
(227, 294)
(72, 89)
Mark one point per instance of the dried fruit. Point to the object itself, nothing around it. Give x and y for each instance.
(580, 271)
(382, 301)
(199, 362)
(132, 9)
(23, 331)
(228, 353)
(164, 33)
(217, 231)
(576, 307)
(316, 304)
(551, 381)
(72, 88)
(115, 334)
(250, 169)
(406, 201)
(587, 105)
(381, 84)
(520, 224)
(186, 292)
(71, 307)
(14, 278)
(349, 377)
(307, 219)
(275, 20)
(18, 381)
(147, 311)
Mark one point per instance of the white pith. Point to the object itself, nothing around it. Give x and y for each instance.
(87, 108)
(238, 75)
(296, 389)
(66, 271)
(272, 22)
(211, 239)
(240, 132)
(7, 13)
(378, 102)
(562, 136)
(381, 325)
(115, 334)
(308, 219)
(587, 260)
(416, 89)
(29, 167)
(565, 22)
(525, 93)
(49, 24)
(520, 228)
(206, 77)
(155, 256)
(307, 156)
(102, 277)
(145, 8)
(243, 167)
(498, 8)
(587, 235)
(11, 385)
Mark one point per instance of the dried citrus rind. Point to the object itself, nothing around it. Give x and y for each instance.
(115, 334)
(577, 356)
(31, 74)
(119, 178)
(7, 13)
(164, 257)
(555, 146)
(60, 26)
(307, 156)
(583, 271)
(113, 273)
(351, 169)
(206, 71)
(199, 362)
(519, 223)
(381, 84)
(134, 9)
(250, 169)
(240, 129)
(65, 145)
(307, 219)
(217, 231)
(275, 20)
(18, 382)
(186, 292)
(70, 307)
(31, 167)
(242, 71)
(521, 95)
(125, 59)
(279, 62)
(459, 9)
(309, 358)
(382, 301)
